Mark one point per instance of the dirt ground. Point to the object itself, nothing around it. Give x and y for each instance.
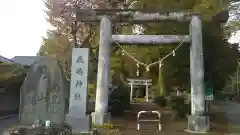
(127, 124)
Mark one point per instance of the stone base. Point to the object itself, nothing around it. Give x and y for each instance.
(198, 124)
(97, 119)
(79, 124)
(58, 129)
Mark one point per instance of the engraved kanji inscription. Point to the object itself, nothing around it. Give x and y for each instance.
(56, 88)
(54, 110)
(55, 99)
(79, 71)
(79, 83)
(80, 59)
(77, 96)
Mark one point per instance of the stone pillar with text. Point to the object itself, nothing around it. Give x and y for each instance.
(76, 117)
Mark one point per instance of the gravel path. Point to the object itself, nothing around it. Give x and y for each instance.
(232, 110)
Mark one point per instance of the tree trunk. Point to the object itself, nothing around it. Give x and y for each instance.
(167, 86)
(161, 81)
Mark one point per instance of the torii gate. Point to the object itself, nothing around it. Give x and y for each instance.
(139, 82)
(197, 122)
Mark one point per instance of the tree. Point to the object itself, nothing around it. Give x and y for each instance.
(59, 41)
(176, 69)
(233, 24)
(58, 46)
(10, 72)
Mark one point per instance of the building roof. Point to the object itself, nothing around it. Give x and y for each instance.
(3, 59)
(26, 60)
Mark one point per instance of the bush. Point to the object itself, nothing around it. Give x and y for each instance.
(139, 100)
(180, 106)
(105, 126)
(161, 101)
(119, 101)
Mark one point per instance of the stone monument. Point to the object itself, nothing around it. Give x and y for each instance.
(43, 94)
(76, 117)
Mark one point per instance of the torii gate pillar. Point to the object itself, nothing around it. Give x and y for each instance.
(197, 122)
(103, 75)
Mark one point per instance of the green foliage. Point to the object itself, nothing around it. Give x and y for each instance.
(181, 106)
(233, 24)
(139, 100)
(59, 41)
(161, 82)
(219, 56)
(12, 72)
(58, 46)
(175, 71)
(161, 101)
(232, 27)
(105, 126)
(119, 101)
(106, 129)
(91, 91)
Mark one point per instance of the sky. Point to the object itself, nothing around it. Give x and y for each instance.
(23, 25)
